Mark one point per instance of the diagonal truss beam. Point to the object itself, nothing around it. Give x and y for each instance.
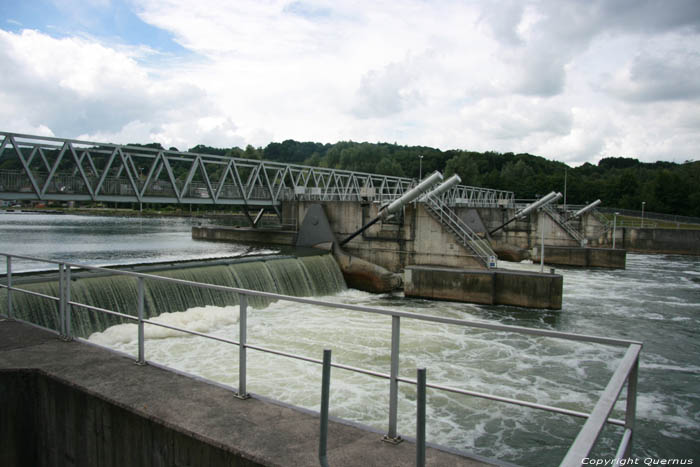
(111, 172)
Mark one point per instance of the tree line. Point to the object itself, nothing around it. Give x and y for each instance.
(620, 182)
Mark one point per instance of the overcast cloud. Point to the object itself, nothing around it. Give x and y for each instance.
(567, 80)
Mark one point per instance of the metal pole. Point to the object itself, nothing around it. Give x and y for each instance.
(631, 409)
(325, 401)
(9, 286)
(67, 298)
(62, 300)
(142, 354)
(420, 167)
(420, 417)
(542, 241)
(643, 203)
(242, 338)
(565, 176)
(393, 381)
(614, 229)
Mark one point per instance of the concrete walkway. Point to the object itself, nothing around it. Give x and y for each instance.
(242, 432)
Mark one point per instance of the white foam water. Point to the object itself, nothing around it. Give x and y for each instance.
(626, 304)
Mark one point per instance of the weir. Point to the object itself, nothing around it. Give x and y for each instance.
(76, 366)
(306, 276)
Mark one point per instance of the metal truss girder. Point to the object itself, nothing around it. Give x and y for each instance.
(116, 172)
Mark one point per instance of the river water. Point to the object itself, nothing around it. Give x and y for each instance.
(656, 300)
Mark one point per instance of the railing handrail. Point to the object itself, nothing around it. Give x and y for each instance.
(626, 371)
(468, 236)
(567, 228)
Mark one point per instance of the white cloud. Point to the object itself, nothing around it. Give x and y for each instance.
(575, 81)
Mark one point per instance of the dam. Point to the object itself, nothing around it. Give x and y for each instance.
(96, 294)
(488, 431)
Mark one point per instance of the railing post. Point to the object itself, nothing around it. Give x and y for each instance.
(325, 402)
(420, 417)
(67, 306)
(9, 286)
(62, 300)
(242, 338)
(142, 353)
(391, 436)
(631, 409)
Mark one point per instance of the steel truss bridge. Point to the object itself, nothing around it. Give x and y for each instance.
(58, 169)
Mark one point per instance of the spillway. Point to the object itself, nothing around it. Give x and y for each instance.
(303, 276)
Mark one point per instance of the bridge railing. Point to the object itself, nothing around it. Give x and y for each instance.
(47, 168)
(624, 374)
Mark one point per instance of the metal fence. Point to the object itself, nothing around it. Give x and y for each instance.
(624, 374)
(652, 215)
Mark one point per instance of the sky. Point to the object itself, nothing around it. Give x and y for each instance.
(573, 81)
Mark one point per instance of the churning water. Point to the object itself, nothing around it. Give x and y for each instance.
(655, 300)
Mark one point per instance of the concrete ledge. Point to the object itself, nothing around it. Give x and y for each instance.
(489, 287)
(584, 257)
(245, 235)
(70, 403)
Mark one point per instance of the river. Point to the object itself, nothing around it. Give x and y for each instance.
(655, 300)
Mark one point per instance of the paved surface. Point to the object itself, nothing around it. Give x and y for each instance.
(262, 431)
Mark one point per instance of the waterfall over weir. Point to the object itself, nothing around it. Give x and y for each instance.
(304, 276)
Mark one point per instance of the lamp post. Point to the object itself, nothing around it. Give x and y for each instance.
(615, 228)
(541, 216)
(420, 167)
(643, 203)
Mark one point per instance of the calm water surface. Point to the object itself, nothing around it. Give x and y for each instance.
(101, 240)
(655, 300)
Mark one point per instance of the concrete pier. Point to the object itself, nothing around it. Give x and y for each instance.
(583, 257)
(71, 403)
(489, 287)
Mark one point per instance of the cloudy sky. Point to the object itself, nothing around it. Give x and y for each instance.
(568, 80)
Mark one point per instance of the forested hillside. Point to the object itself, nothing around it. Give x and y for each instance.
(618, 181)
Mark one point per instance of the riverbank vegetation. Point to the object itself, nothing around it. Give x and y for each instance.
(621, 182)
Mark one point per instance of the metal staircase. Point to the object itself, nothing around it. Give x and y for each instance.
(573, 233)
(606, 224)
(465, 235)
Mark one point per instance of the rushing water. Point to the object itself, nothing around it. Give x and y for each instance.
(655, 300)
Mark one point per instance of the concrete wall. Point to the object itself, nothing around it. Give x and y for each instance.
(686, 242)
(416, 238)
(584, 257)
(47, 422)
(245, 235)
(490, 287)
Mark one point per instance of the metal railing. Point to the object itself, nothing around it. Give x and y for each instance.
(573, 232)
(466, 236)
(653, 215)
(61, 169)
(625, 373)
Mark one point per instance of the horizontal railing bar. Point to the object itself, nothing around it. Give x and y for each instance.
(591, 429)
(194, 333)
(509, 400)
(102, 310)
(404, 314)
(29, 292)
(320, 362)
